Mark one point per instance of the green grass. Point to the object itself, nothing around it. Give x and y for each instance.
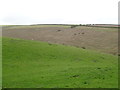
(0, 62)
(34, 26)
(33, 64)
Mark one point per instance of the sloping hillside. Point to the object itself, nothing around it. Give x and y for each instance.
(93, 38)
(34, 64)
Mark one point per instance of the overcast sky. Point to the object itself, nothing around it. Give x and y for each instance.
(19, 12)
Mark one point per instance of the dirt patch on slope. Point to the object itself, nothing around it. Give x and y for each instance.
(95, 38)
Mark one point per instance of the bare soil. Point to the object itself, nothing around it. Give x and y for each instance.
(93, 38)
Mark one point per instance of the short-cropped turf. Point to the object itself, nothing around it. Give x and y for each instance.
(34, 64)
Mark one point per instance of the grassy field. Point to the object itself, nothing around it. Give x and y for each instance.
(33, 26)
(0, 62)
(65, 26)
(34, 64)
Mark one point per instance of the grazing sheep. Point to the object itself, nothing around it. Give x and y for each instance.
(58, 30)
(83, 47)
(83, 33)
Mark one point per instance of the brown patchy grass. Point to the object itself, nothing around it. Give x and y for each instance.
(93, 38)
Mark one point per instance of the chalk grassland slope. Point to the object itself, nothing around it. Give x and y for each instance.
(93, 38)
(33, 64)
